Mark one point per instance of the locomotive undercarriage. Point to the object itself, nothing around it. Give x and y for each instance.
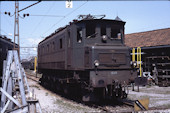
(78, 84)
(109, 92)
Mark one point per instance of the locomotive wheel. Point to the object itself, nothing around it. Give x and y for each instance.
(57, 86)
(100, 93)
(52, 83)
(44, 82)
(66, 89)
(164, 83)
(124, 95)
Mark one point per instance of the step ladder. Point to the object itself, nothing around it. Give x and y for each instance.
(137, 59)
(15, 87)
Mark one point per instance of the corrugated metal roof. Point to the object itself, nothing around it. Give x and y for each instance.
(148, 38)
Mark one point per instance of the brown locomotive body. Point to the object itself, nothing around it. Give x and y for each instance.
(87, 58)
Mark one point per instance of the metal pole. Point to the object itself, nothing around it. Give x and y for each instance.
(35, 64)
(16, 27)
(0, 17)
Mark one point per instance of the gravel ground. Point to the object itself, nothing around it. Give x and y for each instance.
(159, 100)
(159, 97)
(52, 103)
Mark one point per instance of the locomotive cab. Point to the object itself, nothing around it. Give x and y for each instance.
(92, 32)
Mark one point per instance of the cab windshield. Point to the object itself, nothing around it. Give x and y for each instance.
(115, 33)
(90, 30)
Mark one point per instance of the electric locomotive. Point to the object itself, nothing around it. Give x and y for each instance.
(87, 58)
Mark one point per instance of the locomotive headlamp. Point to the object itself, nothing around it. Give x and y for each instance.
(96, 63)
(134, 64)
(104, 38)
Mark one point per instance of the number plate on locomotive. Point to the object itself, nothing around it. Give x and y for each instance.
(113, 72)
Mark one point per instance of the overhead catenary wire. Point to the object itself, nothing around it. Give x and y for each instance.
(48, 15)
(153, 26)
(65, 17)
(7, 20)
(4, 31)
(42, 19)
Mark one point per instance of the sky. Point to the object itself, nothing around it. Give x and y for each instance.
(139, 16)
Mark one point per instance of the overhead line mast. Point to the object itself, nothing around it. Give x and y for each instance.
(16, 25)
(0, 17)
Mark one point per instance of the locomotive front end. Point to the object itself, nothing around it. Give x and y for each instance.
(108, 60)
(110, 71)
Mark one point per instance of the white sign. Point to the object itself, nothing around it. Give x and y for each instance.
(69, 4)
(114, 72)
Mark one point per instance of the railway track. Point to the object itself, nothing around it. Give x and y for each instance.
(32, 77)
(114, 108)
(128, 102)
(125, 104)
(104, 108)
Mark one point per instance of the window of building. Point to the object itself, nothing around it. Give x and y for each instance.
(61, 44)
(79, 35)
(90, 30)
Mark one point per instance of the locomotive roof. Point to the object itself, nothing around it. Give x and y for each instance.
(117, 20)
(6, 40)
(101, 20)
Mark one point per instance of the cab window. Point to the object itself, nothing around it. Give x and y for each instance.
(79, 35)
(103, 30)
(61, 43)
(90, 30)
(115, 33)
(69, 39)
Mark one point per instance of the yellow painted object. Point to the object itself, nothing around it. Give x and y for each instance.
(139, 60)
(144, 103)
(35, 64)
(133, 55)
